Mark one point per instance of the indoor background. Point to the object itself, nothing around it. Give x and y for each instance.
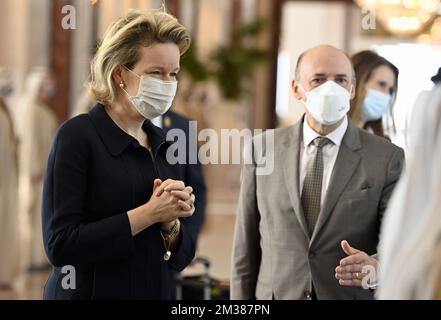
(257, 96)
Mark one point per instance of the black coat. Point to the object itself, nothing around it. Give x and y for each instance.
(96, 173)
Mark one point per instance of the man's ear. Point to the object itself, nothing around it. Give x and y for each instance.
(298, 93)
(354, 88)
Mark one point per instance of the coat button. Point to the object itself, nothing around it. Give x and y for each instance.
(308, 295)
(312, 254)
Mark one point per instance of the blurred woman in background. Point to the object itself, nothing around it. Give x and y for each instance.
(9, 222)
(377, 85)
(37, 124)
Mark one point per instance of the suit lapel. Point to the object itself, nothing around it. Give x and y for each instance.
(345, 165)
(290, 156)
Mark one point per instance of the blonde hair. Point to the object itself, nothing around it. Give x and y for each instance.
(122, 43)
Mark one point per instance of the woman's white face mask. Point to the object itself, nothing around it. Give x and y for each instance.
(154, 98)
(327, 103)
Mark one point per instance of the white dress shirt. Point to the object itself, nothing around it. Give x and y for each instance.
(330, 152)
(157, 121)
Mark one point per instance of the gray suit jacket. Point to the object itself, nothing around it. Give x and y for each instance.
(273, 255)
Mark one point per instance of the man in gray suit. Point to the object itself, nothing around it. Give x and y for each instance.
(297, 228)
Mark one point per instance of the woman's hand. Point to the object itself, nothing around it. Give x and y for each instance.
(184, 194)
(170, 200)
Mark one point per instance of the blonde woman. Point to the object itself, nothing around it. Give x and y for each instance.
(112, 203)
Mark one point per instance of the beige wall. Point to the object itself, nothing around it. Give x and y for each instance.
(258, 103)
(110, 10)
(214, 28)
(81, 51)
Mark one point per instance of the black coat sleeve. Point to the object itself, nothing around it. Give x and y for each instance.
(184, 251)
(68, 237)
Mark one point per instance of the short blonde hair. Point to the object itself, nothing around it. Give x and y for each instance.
(122, 43)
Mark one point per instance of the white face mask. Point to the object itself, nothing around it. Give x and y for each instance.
(154, 96)
(327, 103)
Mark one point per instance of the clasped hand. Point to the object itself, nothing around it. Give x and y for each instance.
(171, 200)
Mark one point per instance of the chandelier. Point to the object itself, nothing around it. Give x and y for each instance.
(403, 17)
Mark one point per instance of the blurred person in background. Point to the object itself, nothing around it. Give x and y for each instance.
(37, 124)
(421, 100)
(410, 239)
(112, 202)
(377, 85)
(9, 222)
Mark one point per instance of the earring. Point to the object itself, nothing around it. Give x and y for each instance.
(121, 85)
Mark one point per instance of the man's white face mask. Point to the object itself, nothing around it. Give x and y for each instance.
(327, 103)
(154, 96)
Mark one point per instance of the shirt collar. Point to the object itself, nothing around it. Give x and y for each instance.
(157, 121)
(116, 139)
(335, 136)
